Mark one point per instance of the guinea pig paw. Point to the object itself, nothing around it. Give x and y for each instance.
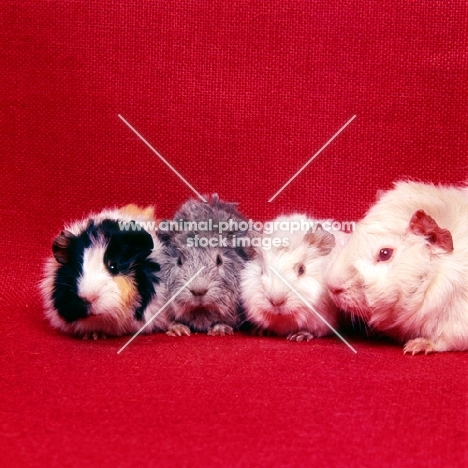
(418, 345)
(178, 329)
(220, 329)
(300, 336)
(94, 336)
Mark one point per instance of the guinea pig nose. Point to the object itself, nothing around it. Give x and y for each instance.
(277, 301)
(336, 290)
(88, 299)
(198, 291)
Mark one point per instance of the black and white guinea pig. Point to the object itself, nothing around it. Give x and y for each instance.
(405, 267)
(211, 302)
(105, 276)
(286, 277)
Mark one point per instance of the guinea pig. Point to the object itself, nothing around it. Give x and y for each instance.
(207, 240)
(405, 267)
(105, 276)
(286, 275)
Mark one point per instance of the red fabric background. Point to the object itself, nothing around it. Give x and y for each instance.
(237, 95)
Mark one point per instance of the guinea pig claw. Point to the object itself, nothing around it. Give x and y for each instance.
(178, 329)
(418, 345)
(220, 329)
(300, 336)
(95, 336)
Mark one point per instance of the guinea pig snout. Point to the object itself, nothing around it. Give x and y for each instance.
(198, 290)
(335, 289)
(89, 297)
(88, 289)
(277, 301)
(91, 294)
(341, 292)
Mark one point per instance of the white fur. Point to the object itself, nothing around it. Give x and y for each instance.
(271, 305)
(420, 294)
(110, 314)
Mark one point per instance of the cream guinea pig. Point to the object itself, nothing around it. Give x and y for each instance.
(297, 259)
(105, 277)
(405, 267)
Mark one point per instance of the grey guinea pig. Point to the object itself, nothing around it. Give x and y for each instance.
(105, 276)
(206, 235)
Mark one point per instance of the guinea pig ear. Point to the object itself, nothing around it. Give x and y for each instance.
(254, 248)
(379, 194)
(164, 233)
(323, 240)
(214, 199)
(440, 240)
(61, 247)
(246, 252)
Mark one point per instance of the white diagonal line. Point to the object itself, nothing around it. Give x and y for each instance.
(311, 159)
(160, 310)
(312, 308)
(160, 157)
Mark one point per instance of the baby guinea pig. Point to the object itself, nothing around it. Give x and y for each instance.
(211, 302)
(405, 267)
(297, 259)
(105, 275)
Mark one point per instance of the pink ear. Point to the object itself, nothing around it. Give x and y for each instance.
(61, 245)
(379, 194)
(422, 224)
(322, 239)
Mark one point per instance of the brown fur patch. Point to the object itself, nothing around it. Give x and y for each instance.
(136, 211)
(127, 289)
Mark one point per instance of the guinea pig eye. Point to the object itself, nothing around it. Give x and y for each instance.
(179, 261)
(300, 270)
(113, 267)
(385, 254)
(219, 260)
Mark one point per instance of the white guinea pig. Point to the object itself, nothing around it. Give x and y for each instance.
(288, 260)
(405, 267)
(105, 276)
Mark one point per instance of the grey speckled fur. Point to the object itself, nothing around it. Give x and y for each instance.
(211, 303)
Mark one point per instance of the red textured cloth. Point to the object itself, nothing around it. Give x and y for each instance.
(237, 96)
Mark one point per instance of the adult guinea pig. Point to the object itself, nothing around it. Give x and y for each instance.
(206, 241)
(286, 275)
(405, 267)
(105, 275)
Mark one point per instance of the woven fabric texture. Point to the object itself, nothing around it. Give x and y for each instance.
(237, 96)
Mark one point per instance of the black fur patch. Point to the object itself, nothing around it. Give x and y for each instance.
(65, 294)
(146, 278)
(128, 252)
